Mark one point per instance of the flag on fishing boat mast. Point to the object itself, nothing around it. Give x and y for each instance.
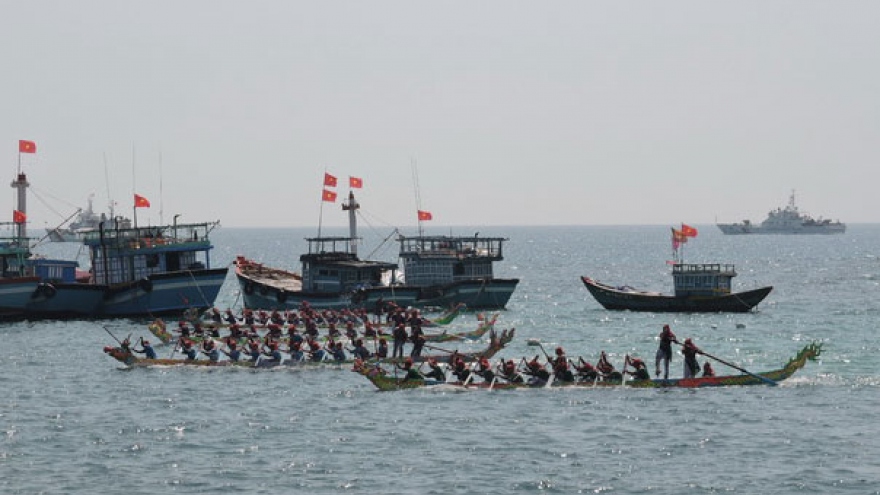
(18, 216)
(425, 215)
(329, 180)
(355, 182)
(688, 231)
(328, 196)
(141, 202)
(25, 146)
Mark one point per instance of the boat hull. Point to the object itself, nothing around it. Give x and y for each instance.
(747, 229)
(260, 293)
(616, 299)
(165, 293)
(810, 352)
(66, 300)
(15, 293)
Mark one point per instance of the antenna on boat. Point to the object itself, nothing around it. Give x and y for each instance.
(133, 188)
(415, 175)
(352, 206)
(161, 196)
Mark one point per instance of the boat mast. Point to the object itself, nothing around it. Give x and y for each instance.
(21, 184)
(352, 206)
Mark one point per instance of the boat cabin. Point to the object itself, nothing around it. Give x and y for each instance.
(14, 252)
(120, 255)
(701, 279)
(331, 265)
(438, 260)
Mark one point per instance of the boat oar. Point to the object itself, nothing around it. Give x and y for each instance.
(623, 374)
(553, 374)
(111, 334)
(759, 377)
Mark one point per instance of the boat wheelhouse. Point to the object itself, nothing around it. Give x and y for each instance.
(456, 269)
(154, 270)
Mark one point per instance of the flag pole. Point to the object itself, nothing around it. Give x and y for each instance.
(321, 210)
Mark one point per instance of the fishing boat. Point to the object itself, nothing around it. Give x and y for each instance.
(125, 356)
(439, 271)
(385, 382)
(788, 220)
(86, 221)
(135, 271)
(18, 282)
(699, 287)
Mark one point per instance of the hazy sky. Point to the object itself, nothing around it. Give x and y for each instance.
(515, 113)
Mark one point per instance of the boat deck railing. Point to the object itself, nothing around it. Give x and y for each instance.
(703, 268)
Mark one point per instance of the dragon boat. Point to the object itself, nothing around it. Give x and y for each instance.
(384, 382)
(160, 330)
(210, 318)
(128, 358)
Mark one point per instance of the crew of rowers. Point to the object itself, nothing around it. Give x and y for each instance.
(385, 314)
(533, 372)
(557, 368)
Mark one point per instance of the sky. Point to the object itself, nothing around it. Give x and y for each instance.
(483, 113)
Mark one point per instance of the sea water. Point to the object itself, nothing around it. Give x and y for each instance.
(77, 422)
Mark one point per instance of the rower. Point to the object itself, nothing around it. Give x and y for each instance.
(148, 351)
(640, 369)
(233, 353)
(536, 370)
(411, 373)
(707, 369)
(189, 350)
(485, 369)
(436, 372)
(210, 350)
(586, 371)
(509, 372)
(273, 352)
(560, 366)
(606, 369)
(338, 352)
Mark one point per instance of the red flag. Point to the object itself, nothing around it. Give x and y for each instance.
(141, 202)
(329, 196)
(678, 238)
(688, 231)
(425, 215)
(18, 216)
(26, 146)
(355, 182)
(329, 180)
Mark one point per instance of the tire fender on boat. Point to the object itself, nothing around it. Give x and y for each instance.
(46, 290)
(145, 284)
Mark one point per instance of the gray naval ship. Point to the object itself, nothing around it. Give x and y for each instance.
(786, 220)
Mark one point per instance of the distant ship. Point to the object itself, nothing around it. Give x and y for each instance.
(86, 221)
(786, 220)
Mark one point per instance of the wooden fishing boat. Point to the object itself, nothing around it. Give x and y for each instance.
(130, 359)
(437, 271)
(699, 288)
(384, 382)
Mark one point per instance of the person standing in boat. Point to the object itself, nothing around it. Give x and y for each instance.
(399, 335)
(378, 310)
(691, 365)
(664, 352)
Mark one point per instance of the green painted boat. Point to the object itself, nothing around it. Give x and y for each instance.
(810, 352)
